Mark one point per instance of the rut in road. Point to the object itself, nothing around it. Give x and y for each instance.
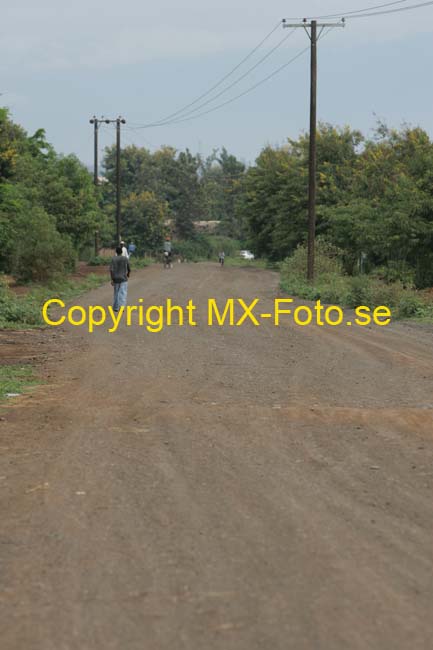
(233, 488)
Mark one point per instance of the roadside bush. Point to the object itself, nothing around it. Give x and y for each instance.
(206, 247)
(411, 305)
(327, 260)
(360, 291)
(218, 243)
(424, 270)
(26, 311)
(334, 287)
(140, 262)
(395, 272)
(99, 260)
(330, 283)
(389, 295)
(194, 250)
(13, 310)
(42, 253)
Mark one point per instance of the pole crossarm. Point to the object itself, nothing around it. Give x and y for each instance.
(305, 23)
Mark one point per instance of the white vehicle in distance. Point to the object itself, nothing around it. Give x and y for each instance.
(247, 255)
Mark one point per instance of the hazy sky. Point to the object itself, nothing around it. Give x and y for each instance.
(61, 62)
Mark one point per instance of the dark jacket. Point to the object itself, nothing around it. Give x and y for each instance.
(119, 269)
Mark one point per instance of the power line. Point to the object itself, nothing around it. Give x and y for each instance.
(236, 81)
(229, 101)
(226, 76)
(369, 11)
(137, 131)
(355, 11)
(393, 11)
(354, 14)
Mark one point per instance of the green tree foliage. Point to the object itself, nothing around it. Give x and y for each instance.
(30, 245)
(193, 188)
(186, 204)
(48, 205)
(374, 198)
(222, 175)
(274, 203)
(388, 212)
(42, 252)
(171, 176)
(12, 144)
(143, 219)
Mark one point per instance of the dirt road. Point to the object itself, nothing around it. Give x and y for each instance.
(220, 488)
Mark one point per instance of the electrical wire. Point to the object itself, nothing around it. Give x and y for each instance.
(270, 76)
(226, 76)
(234, 83)
(136, 131)
(393, 11)
(356, 11)
(184, 118)
(229, 101)
(370, 11)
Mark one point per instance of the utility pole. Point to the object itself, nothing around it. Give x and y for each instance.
(118, 121)
(95, 123)
(312, 162)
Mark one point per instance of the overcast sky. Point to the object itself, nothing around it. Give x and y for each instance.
(61, 62)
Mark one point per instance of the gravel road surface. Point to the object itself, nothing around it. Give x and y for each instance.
(245, 488)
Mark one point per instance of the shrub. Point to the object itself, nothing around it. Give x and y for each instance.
(42, 253)
(140, 262)
(327, 260)
(333, 288)
(396, 272)
(99, 260)
(13, 310)
(411, 305)
(330, 284)
(359, 291)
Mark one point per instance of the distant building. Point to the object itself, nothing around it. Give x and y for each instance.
(200, 226)
(206, 226)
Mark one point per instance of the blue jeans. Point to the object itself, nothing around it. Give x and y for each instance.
(120, 294)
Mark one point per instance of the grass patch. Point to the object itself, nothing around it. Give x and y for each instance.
(24, 312)
(140, 262)
(99, 260)
(134, 262)
(240, 262)
(15, 379)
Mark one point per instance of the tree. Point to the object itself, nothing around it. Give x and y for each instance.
(186, 205)
(12, 144)
(48, 205)
(144, 215)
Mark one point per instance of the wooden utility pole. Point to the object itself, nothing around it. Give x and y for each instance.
(118, 121)
(312, 179)
(95, 123)
(312, 163)
(118, 236)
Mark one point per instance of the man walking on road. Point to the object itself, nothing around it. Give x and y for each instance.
(167, 253)
(120, 272)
